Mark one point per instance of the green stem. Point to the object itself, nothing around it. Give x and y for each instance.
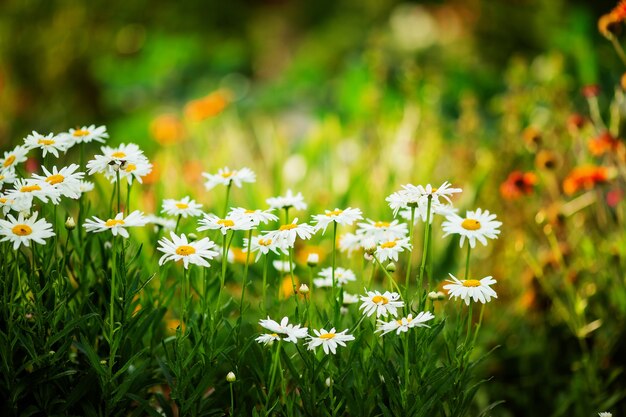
(183, 302)
(467, 260)
(424, 250)
(112, 300)
(336, 300)
(128, 186)
(391, 280)
(618, 48)
(177, 223)
(232, 400)
(410, 255)
(272, 375)
(264, 291)
(293, 282)
(119, 192)
(245, 275)
(406, 370)
(230, 184)
(223, 275)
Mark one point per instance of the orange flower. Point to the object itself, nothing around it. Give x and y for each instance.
(591, 90)
(532, 137)
(585, 177)
(205, 107)
(575, 122)
(619, 11)
(609, 26)
(517, 184)
(603, 143)
(286, 287)
(167, 129)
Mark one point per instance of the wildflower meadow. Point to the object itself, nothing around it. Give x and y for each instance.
(391, 245)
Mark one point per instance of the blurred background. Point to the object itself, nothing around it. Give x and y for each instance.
(345, 101)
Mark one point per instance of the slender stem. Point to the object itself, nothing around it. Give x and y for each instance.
(265, 262)
(334, 283)
(410, 253)
(112, 300)
(177, 223)
(467, 260)
(119, 193)
(232, 400)
(223, 276)
(424, 249)
(293, 280)
(183, 302)
(406, 369)
(618, 49)
(480, 321)
(230, 183)
(245, 275)
(469, 323)
(393, 281)
(287, 215)
(128, 186)
(272, 375)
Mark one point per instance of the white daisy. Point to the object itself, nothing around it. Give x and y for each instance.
(382, 231)
(85, 186)
(329, 340)
(160, 222)
(116, 225)
(184, 207)
(287, 201)
(256, 216)
(342, 277)
(471, 288)
(286, 234)
(605, 414)
(112, 159)
(350, 298)
(25, 189)
(213, 222)
(268, 338)
(48, 143)
(405, 323)
(293, 332)
(66, 180)
(133, 170)
(283, 266)
(13, 157)
(349, 242)
(6, 204)
(381, 304)
(343, 217)
(227, 177)
(22, 230)
(477, 225)
(262, 245)
(87, 134)
(179, 248)
(390, 249)
(415, 195)
(7, 176)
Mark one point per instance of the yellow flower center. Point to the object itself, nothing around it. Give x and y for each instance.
(250, 211)
(226, 222)
(327, 336)
(408, 320)
(182, 206)
(274, 335)
(265, 242)
(118, 154)
(185, 250)
(113, 222)
(471, 283)
(80, 133)
(30, 188)
(470, 224)
(9, 161)
(3, 200)
(22, 230)
(381, 224)
(388, 245)
(334, 213)
(46, 142)
(227, 174)
(55, 179)
(131, 167)
(2, 177)
(380, 299)
(434, 190)
(287, 226)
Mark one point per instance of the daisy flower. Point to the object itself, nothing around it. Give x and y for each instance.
(350, 298)
(344, 217)
(287, 201)
(342, 277)
(383, 231)
(66, 180)
(184, 207)
(477, 225)
(6, 204)
(267, 338)
(133, 170)
(48, 143)
(14, 157)
(112, 159)
(293, 332)
(283, 266)
(471, 288)
(405, 323)
(255, 216)
(116, 225)
(7, 176)
(179, 248)
(160, 222)
(21, 231)
(87, 134)
(213, 222)
(263, 245)
(422, 212)
(381, 304)
(605, 414)
(416, 195)
(286, 234)
(390, 249)
(25, 189)
(329, 340)
(85, 186)
(349, 242)
(227, 177)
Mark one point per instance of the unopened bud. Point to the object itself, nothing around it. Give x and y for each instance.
(230, 377)
(70, 224)
(313, 259)
(436, 296)
(192, 237)
(304, 289)
(391, 267)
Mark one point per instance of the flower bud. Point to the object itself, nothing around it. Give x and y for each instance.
(313, 259)
(436, 296)
(70, 224)
(304, 289)
(230, 377)
(192, 237)
(391, 267)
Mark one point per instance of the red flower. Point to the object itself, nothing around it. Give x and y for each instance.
(518, 184)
